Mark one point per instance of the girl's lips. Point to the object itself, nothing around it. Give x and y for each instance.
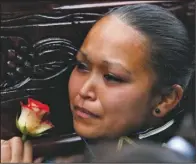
(84, 113)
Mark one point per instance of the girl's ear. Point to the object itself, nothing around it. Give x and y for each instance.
(169, 101)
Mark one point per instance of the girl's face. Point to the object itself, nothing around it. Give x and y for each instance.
(110, 87)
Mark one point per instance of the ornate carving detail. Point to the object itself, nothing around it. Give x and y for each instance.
(53, 18)
(16, 59)
(26, 68)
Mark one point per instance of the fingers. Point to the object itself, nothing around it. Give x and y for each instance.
(17, 149)
(28, 152)
(5, 151)
(2, 141)
(14, 151)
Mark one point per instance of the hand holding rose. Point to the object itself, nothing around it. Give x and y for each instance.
(13, 151)
(29, 123)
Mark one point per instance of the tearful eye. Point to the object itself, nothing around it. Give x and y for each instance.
(113, 78)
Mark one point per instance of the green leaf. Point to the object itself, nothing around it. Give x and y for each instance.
(17, 125)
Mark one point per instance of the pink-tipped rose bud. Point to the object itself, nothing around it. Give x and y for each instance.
(30, 121)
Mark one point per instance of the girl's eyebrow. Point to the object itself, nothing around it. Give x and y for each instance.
(116, 64)
(106, 62)
(85, 55)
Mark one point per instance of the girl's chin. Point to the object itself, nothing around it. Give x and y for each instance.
(86, 132)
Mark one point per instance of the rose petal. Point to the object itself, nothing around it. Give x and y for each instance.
(29, 119)
(37, 104)
(24, 106)
(34, 107)
(42, 128)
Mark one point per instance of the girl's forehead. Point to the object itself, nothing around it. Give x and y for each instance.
(111, 27)
(112, 39)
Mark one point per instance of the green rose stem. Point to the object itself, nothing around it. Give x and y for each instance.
(24, 137)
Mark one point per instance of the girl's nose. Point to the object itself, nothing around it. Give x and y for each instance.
(88, 90)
